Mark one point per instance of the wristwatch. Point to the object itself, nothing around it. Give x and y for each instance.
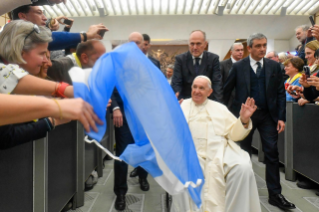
(84, 36)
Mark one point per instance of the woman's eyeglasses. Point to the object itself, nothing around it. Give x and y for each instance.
(35, 29)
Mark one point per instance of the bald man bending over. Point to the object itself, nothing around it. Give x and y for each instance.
(230, 184)
(123, 137)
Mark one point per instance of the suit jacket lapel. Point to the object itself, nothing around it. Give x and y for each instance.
(246, 70)
(202, 67)
(190, 64)
(267, 72)
(229, 64)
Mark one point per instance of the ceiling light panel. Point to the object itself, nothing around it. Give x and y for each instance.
(299, 7)
(308, 6)
(148, 7)
(164, 7)
(74, 8)
(172, 6)
(205, 6)
(313, 9)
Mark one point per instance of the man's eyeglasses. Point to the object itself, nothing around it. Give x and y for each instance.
(35, 29)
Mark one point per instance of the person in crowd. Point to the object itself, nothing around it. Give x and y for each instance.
(237, 53)
(61, 40)
(293, 68)
(312, 62)
(315, 31)
(229, 178)
(282, 57)
(274, 56)
(23, 46)
(87, 53)
(261, 79)
(298, 48)
(146, 47)
(123, 137)
(15, 109)
(196, 62)
(169, 73)
(304, 35)
(8, 5)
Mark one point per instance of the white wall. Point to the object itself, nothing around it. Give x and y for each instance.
(221, 31)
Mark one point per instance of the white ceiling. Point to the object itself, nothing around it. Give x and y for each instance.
(84, 8)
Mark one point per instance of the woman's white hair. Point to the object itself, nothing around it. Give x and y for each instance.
(13, 40)
(206, 78)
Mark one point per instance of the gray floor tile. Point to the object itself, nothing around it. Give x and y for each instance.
(89, 200)
(106, 175)
(313, 200)
(270, 208)
(261, 183)
(289, 184)
(254, 159)
(134, 203)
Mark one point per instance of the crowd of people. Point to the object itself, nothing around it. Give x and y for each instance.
(223, 101)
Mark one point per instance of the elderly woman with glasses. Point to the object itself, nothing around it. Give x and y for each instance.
(23, 51)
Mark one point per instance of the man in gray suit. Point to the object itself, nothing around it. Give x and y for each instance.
(237, 53)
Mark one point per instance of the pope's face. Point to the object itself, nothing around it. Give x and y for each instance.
(200, 90)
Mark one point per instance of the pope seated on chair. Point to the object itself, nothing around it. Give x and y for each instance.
(229, 178)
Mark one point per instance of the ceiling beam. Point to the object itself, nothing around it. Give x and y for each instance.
(200, 6)
(121, 8)
(208, 6)
(311, 5)
(301, 7)
(105, 7)
(264, 6)
(192, 8)
(232, 6)
(89, 6)
(255, 7)
(298, 1)
(46, 9)
(271, 5)
(241, 4)
(144, 4)
(75, 8)
(216, 7)
(176, 4)
(60, 7)
(282, 3)
(112, 6)
(136, 5)
(184, 7)
(129, 7)
(248, 5)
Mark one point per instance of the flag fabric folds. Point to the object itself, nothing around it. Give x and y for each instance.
(163, 142)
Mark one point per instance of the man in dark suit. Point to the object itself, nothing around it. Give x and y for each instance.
(236, 54)
(261, 79)
(274, 56)
(145, 48)
(196, 62)
(123, 137)
(147, 45)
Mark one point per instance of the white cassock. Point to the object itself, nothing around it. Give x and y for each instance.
(230, 184)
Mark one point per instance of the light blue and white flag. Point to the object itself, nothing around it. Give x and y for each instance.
(163, 142)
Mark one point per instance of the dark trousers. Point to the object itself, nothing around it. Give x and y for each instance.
(123, 137)
(269, 137)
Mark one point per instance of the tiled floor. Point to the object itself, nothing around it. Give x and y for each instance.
(101, 198)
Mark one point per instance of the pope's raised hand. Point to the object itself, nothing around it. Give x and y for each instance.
(247, 110)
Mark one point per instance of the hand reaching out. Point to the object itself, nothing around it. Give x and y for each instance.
(247, 110)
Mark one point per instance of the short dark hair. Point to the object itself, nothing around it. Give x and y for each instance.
(85, 47)
(22, 9)
(295, 62)
(146, 37)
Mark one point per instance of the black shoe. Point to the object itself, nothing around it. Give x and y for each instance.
(280, 201)
(120, 202)
(307, 184)
(133, 173)
(144, 184)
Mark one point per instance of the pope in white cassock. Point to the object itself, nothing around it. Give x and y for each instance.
(229, 178)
